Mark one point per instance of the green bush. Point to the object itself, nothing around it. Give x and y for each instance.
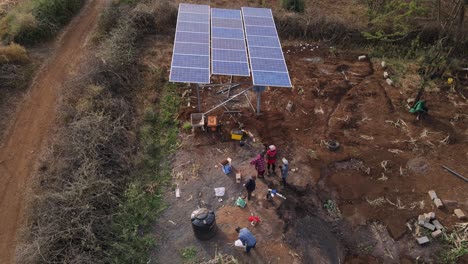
(293, 5)
(36, 20)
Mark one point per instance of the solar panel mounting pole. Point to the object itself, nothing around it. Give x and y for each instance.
(259, 90)
(198, 98)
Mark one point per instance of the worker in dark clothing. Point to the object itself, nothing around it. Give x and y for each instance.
(250, 187)
(248, 240)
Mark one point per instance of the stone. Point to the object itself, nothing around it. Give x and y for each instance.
(389, 81)
(438, 203)
(427, 217)
(436, 233)
(421, 220)
(432, 194)
(431, 215)
(383, 64)
(429, 226)
(422, 240)
(385, 75)
(437, 224)
(362, 57)
(459, 213)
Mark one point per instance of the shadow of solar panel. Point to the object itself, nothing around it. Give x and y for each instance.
(227, 33)
(190, 8)
(231, 68)
(263, 52)
(191, 48)
(259, 21)
(190, 61)
(229, 55)
(259, 41)
(279, 79)
(189, 75)
(225, 13)
(235, 44)
(260, 31)
(226, 23)
(202, 38)
(268, 65)
(193, 27)
(192, 17)
(260, 12)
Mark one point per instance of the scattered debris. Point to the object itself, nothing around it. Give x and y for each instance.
(395, 151)
(437, 224)
(383, 64)
(389, 81)
(189, 199)
(289, 106)
(219, 192)
(385, 75)
(459, 213)
(172, 222)
(429, 226)
(362, 57)
(383, 178)
(436, 233)
(331, 145)
(438, 203)
(367, 137)
(422, 240)
(383, 164)
(238, 177)
(432, 194)
(421, 220)
(455, 173)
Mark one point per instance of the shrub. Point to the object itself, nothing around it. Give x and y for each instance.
(293, 5)
(13, 53)
(36, 20)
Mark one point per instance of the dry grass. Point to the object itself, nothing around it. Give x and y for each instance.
(13, 53)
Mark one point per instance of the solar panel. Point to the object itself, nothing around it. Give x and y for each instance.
(191, 55)
(265, 54)
(229, 54)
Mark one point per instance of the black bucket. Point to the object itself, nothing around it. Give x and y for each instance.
(204, 223)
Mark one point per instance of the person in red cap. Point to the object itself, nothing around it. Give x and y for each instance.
(271, 158)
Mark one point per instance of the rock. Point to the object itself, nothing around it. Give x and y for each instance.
(422, 240)
(289, 106)
(438, 203)
(437, 225)
(389, 81)
(385, 75)
(431, 215)
(383, 64)
(459, 213)
(429, 226)
(421, 219)
(427, 218)
(436, 233)
(362, 57)
(410, 100)
(431, 193)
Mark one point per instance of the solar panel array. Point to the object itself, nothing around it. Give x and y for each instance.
(266, 56)
(228, 51)
(191, 55)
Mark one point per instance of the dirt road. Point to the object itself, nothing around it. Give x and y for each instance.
(31, 124)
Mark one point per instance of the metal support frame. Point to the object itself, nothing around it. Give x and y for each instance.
(198, 98)
(223, 103)
(259, 90)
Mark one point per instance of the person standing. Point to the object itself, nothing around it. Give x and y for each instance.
(271, 158)
(247, 238)
(284, 171)
(250, 187)
(259, 163)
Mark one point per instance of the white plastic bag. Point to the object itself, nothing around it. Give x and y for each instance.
(219, 192)
(238, 243)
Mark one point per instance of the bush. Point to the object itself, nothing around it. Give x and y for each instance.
(35, 20)
(13, 53)
(293, 5)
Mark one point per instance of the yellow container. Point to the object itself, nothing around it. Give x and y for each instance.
(236, 134)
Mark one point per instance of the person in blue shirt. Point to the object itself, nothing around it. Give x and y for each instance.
(284, 171)
(248, 240)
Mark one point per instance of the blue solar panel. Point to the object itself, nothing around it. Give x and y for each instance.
(190, 8)
(190, 61)
(263, 52)
(256, 12)
(260, 31)
(191, 48)
(268, 65)
(189, 75)
(230, 33)
(191, 57)
(229, 55)
(259, 21)
(202, 38)
(280, 79)
(225, 13)
(193, 27)
(231, 68)
(266, 56)
(236, 44)
(226, 23)
(259, 41)
(191, 17)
